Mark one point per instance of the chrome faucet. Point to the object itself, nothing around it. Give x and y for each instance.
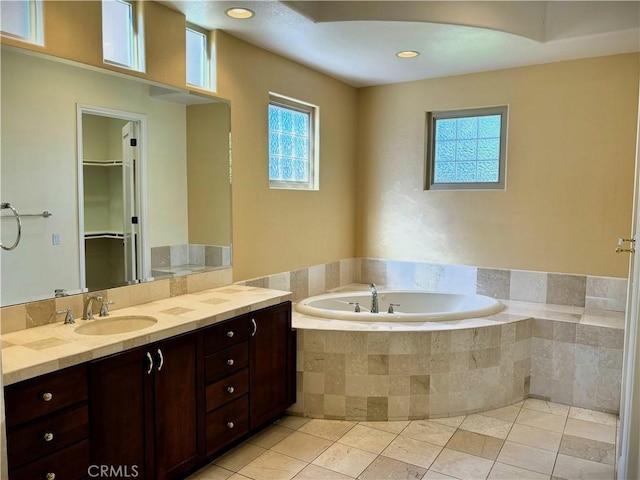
(374, 298)
(88, 310)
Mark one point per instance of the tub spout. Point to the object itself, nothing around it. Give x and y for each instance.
(374, 298)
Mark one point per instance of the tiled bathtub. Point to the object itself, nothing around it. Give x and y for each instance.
(378, 376)
(569, 355)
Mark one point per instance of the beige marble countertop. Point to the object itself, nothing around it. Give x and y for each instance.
(36, 351)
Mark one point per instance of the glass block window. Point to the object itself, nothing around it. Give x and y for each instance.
(119, 37)
(197, 59)
(22, 20)
(466, 149)
(293, 159)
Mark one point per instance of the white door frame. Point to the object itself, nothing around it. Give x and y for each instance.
(141, 183)
(629, 435)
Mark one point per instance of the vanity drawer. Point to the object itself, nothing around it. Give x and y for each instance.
(46, 394)
(226, 424)
(227, 389)
(225, 334)
(227, 361)
(71, 463)
(37, 439)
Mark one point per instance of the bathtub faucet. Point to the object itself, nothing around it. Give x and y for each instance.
(374, 298)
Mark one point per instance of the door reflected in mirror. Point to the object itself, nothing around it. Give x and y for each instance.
(112, 154)
(185, 205)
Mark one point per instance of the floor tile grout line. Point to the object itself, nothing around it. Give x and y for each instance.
(566, 420)
(505, 440)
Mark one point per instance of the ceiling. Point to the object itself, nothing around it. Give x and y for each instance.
(356, 41)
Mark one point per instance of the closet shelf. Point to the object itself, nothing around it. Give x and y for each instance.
(101, 163)
(103, 234)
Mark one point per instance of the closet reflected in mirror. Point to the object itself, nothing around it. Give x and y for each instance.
(113, 234)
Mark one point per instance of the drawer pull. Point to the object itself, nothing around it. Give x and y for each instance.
(50, 476)
(230, 362)
(48, 437)
(255, 327)
(230, 425)
(231, 389)
(47, 396)
(230, 333)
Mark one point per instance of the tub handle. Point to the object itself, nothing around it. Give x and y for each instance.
(391, 305)
(357, 304)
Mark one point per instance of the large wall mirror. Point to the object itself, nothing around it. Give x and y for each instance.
(64, 152)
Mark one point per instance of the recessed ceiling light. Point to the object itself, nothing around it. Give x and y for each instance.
(241, 13)
(407, 54)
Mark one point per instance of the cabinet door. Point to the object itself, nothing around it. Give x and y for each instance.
(179, 405)
(270, 372)
(121, 421)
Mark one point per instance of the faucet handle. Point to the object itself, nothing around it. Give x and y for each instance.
(68, 316)
(391, 305)
(357, 304)
(104, 308)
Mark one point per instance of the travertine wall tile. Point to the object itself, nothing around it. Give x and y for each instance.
(373, 271)
(493, 283)
(528, 286)
(543, 328)
(332, 275)
(299, 284)
(564, 332)
(566, 289)
(280, 281)
(429, 276)
(606, 293)
(401, 275)
(317, 276)
(459, 279)
(13, 319)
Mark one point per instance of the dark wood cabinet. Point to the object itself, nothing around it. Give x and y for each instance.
(227, 382)
(48, 426)
(272, 374)
(156, 411)
(145, 408)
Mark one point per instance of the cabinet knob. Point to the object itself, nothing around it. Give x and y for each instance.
(230, 362)
(48, 437)
(47, 396)
(230, 425)
(230, 333)
(231, 389)
(50, 476)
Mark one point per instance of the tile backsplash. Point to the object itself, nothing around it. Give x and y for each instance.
(34, 314)
(603, 293)
(563, 289)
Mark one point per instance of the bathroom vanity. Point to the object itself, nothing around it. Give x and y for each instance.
(160, 409)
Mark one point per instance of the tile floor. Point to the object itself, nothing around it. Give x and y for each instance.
(532, 439)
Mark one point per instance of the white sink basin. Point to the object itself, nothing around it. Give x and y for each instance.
(114, 325)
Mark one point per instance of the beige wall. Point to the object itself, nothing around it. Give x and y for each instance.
(570, 167)
(280, 230)
(73, 30)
